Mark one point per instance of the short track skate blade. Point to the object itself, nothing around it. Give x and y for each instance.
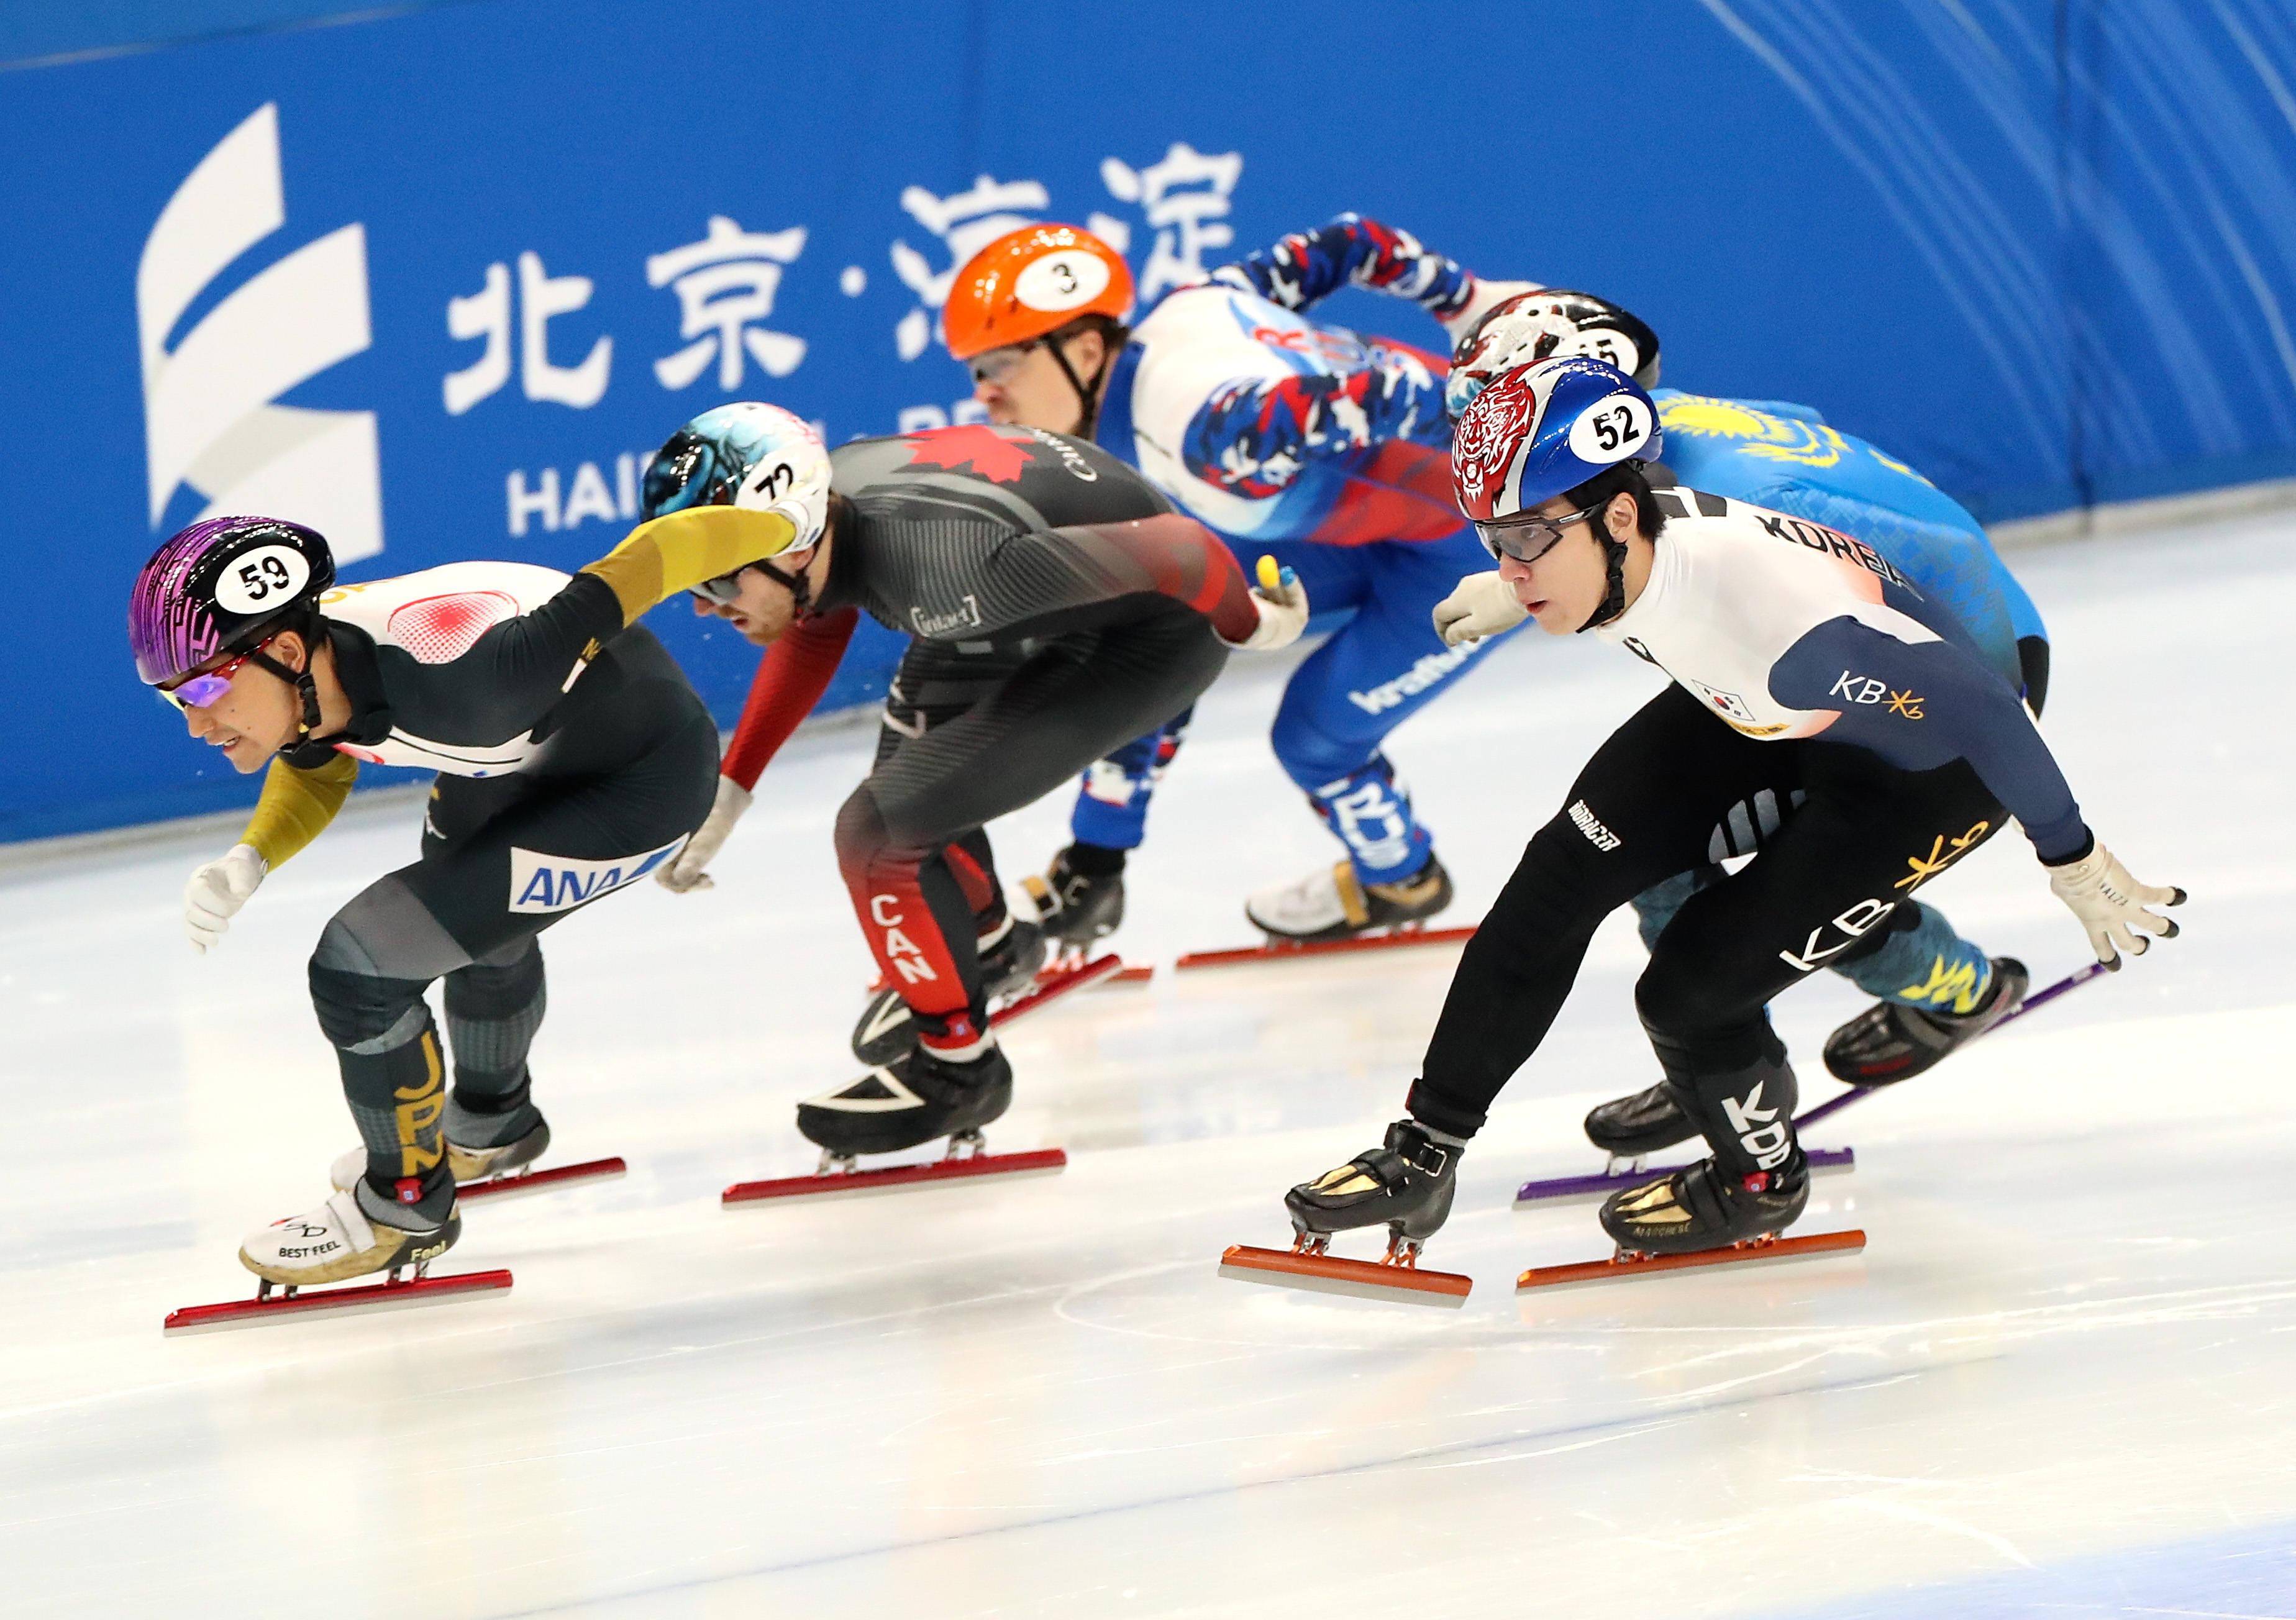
(521, 1181)
(335, 1302)
(1056, 982)
(1276, 950)
(848, 1183)
(1574, 1189)
(1814, 1247)
(1285, 1268)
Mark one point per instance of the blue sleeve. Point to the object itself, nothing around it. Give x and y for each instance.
(1924, 705)
(1255, 438)
(1310, 265)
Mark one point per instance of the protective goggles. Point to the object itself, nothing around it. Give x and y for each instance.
(723, 590)
(199, 690)
(997, 365)
(1526, 538)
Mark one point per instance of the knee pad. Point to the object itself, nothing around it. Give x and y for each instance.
(361, 1013)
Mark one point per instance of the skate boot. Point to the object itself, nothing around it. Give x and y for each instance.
(1080, 899)
(466, 1161)
(912, 1100)
(1335, 904)
(345, 1236)
(1890, 1041)
(1632, 1126)
(1011, 955)
(1405, 1186)
(1704, 1206)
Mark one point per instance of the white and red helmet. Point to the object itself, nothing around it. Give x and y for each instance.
(1549, 324)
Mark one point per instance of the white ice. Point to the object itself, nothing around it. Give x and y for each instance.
(2062, 1378)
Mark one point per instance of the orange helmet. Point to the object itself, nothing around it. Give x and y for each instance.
(1032, 282)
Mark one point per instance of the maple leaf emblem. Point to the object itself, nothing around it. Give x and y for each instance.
(997, 459)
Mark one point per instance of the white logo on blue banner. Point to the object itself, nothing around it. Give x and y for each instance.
(207, 413)
(540, 883)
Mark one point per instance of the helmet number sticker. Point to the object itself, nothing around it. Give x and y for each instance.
(1061, 281)
(1613, 431)
(267, 577)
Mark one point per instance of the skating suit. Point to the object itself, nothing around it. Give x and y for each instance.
(1785, 457)
(1805, 666)
(574, 758)
(1331, 452)
(1057, 606)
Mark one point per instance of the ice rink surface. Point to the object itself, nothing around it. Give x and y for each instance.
(2061, 1381)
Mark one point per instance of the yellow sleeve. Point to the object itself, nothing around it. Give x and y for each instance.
(681, 548)
(296, 807)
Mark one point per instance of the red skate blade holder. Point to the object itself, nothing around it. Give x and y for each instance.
(519, 1183)
(1620, 1268)
(958, 1165)
(297, 1304)
(898, 1178)
(1286, 1268)
(1276, 950)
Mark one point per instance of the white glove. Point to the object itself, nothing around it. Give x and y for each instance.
(1282, 604)
(216, 891)
(1483, 605)
(2110, 903)
(1485, 297)
(684, 874)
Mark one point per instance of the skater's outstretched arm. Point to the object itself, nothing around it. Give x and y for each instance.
(296, 807)
(1304, 267)
(790, 678)
(1923, 704)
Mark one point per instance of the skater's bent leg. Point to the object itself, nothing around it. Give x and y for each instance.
(493, 1008)
(1641, 809)
(1112, 807)
(374, 963)
(1920, 959)
(918, 921)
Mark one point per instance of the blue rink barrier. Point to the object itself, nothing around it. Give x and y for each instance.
(438, 281)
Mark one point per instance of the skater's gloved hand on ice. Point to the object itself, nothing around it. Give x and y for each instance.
(2112, 905)
(1282, 604)
(1485, 296)
(1484, 604)
(216, 891)
(686, 873)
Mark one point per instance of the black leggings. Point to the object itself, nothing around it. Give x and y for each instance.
(967, 740)
(1864, 838)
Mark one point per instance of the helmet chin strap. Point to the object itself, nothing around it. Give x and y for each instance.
(307, 689)
(1614, 571)
(797, 584)
(1087, 396)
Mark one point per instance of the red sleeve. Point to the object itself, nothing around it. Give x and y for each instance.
(1183, 560)
(790, 679)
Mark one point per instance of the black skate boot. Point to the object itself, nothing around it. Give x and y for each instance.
(912, 1100)
(1755, 1184)
(1629, 1127)
(1335, 904)
(1080, 901)
(1891, 1042)
(1011, 955)
(1405, 1186)
(1704, 1206)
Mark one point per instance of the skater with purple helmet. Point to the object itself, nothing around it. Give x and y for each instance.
(573, 757)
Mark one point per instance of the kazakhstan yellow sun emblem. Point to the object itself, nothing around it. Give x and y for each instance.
(1775, 437)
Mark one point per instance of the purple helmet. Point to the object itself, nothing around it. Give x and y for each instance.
(219, 584)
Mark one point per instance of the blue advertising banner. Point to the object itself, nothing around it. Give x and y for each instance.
(438, 282)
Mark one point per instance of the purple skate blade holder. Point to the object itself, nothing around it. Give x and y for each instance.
(1823, 1161)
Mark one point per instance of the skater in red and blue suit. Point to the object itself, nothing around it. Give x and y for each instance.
(1325, 449)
